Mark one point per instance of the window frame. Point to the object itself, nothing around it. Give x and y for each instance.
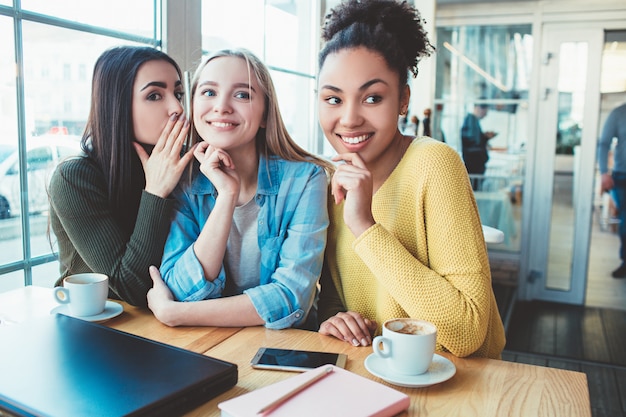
(183, 45)
(19, 16)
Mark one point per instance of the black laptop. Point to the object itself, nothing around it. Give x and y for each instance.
(60, 366)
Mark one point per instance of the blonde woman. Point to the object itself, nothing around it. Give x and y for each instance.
(246, 245)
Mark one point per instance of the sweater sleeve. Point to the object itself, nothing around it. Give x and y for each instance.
(449, 281)
(78, 197)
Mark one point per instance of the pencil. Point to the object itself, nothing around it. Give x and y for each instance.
(295, 390)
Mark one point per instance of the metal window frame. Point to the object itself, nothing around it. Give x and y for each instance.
(184, 45)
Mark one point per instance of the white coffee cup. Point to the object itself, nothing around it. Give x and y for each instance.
(85, 294)
(407, 345)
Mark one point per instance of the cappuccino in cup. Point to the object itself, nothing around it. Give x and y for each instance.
(407, 345)
(409, 326)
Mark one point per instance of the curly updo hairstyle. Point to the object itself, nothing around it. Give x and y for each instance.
(391, 28)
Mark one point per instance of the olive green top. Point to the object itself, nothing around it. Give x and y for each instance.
(91, 238)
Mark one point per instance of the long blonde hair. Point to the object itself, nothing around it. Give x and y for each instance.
(273, 139)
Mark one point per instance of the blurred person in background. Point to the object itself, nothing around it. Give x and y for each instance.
(614, 181)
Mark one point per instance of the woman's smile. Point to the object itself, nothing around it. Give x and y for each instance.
(353, 139)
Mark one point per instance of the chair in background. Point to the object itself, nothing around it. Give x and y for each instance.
(492, 235)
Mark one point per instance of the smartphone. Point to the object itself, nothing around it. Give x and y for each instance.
(295, 360)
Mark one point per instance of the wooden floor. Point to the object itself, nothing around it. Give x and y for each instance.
(585, 339)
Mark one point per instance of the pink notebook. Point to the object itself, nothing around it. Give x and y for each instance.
(340, 393)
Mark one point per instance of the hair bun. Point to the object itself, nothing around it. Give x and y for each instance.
(389, 27)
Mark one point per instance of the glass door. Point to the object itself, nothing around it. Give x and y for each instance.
(563, 179)
(604, 251)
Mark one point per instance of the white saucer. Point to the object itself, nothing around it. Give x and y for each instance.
(441, 369)
(111, 309)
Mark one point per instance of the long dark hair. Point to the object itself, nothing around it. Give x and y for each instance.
(109, 132)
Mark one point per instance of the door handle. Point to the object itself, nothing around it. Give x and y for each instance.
(547, 57)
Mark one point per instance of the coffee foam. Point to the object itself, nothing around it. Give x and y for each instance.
(410, 327)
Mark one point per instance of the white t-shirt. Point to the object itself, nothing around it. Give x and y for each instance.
(242, 260)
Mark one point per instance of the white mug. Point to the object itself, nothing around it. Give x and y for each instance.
(407, 345)
(85, 294)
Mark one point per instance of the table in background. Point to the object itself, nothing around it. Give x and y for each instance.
(495, 210)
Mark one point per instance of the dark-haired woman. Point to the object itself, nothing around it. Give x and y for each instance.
(109, 209)
(405, 238)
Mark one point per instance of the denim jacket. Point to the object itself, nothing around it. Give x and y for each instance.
(292, 225)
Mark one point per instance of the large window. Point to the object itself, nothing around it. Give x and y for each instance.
(488, 66)
(44, 109)
(283, 34)
(137, 17)
(55, 48)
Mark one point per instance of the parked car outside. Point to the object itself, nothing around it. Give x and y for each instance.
(5, 151)
(43, 154)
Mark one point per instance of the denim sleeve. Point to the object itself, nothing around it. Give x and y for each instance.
(286, 299)
(180, 268)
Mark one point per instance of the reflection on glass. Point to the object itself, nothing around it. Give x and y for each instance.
(571, 102)
(296, 101)
(281, 34)
(222, 27)
(604, 254)
(137, 16)
(10, 230)
(283, 38)
(57, 67)
(294, 51)
(490, 66)
(613, 76)
(58, 64)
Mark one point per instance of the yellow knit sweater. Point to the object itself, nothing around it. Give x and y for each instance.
(424, 258)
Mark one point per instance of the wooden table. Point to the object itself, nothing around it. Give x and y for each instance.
(480, 387)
